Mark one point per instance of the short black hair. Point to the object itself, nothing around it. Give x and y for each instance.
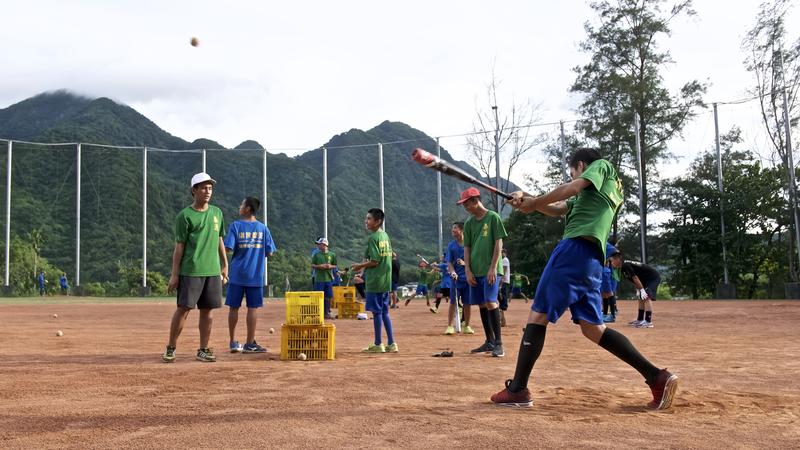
(460, 225)
(377, 214)
(252, 203)
(585, 155)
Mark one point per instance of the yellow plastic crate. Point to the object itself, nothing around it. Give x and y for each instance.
(349, 310)
(343, 294)
(305, 308)
(317, 342)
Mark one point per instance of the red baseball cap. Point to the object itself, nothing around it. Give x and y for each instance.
(468, 194)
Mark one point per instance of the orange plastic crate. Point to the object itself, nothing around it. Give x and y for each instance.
(305, 308)
(317, 342)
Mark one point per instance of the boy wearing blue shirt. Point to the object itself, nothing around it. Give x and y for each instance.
(251, 242)
(459, 289)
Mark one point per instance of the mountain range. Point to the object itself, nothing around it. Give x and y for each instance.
(44, 185)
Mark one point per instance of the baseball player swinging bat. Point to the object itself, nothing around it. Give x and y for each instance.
(434, 162)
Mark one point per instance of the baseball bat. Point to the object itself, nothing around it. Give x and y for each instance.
(432, 161)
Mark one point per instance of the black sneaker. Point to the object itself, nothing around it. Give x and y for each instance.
(253, 348)
(169, 354)
(485, 348)
(205, 355)
(498, 351)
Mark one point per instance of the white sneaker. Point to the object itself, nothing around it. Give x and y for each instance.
(645, 324)
(635, 323)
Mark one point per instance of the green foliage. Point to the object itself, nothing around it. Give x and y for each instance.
(22, 277)
(623, 77)
(295, 266)
(531, 239)
(756, 223)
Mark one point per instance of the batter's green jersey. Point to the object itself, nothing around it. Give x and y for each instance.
(480, 236)
(516, 280)
(199, 231)
(423, 277)
(591, 212)
(323, 275)
(379, 248)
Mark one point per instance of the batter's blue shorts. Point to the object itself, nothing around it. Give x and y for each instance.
(394, 286)
(572, 279)
(377, 302)
(326, 287)
(516, 291)
(421, 290)
(255, 296)
(484, 292)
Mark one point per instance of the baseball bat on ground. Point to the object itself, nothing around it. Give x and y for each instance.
(434, 162)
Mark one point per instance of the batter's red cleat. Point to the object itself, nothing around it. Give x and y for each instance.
(508, 398)
(664, 388)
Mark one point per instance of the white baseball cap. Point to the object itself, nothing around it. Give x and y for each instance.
(322, 240)
(201, 177)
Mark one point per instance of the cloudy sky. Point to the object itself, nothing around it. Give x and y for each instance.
(293, 74)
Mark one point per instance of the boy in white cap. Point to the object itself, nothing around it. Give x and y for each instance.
(323, 262)
(199, 265)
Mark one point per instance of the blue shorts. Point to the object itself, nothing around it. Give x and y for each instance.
(255, 296)
(516, 291)
(571, 279)
(483, 292)
(394, 286)
(377, 302)
(461, 292)
(421, 290)
(326, 287)
(605, 286)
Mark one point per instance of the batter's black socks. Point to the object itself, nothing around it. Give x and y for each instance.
(529, 350)
(605, 306)
(648, 316)
(487, 326)
(640, 316)
(616, 343)
(438, 301)
(494, 321)
(612, 302)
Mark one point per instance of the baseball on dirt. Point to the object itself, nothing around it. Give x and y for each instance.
(55, 316)
(195, 42)
(302, 357)
(272, 331)
(59, 333)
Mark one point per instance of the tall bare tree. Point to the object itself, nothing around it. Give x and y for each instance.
(507, 129)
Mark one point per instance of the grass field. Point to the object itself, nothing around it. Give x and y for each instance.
(102, 384)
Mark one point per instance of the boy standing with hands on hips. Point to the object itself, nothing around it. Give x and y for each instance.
(377, 267)
(199, 266)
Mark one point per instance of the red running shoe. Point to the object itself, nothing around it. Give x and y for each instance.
(508, 398)
(664, 388)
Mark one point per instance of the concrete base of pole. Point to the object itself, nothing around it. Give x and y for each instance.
(792, 290)
(144, 291)
(726, 291)
(77, 290)
(268, 291)
(7, 291)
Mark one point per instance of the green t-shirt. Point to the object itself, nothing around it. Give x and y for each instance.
(516, 280)
(322, 275)
(434, 278)
(379, 278)
(480, 236)
(423, 276)
(200, 232)
(591, 212)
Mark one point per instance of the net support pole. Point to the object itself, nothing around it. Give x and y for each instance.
(144, 220)
(564, 164)
(8, 213)
(204, 160)
(380, 171)
(325, 192)
(78, 218)
(642, 228)
(721, 202)
(439, 199)
(264, 206)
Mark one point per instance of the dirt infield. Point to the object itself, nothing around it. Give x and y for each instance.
(102, 384)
